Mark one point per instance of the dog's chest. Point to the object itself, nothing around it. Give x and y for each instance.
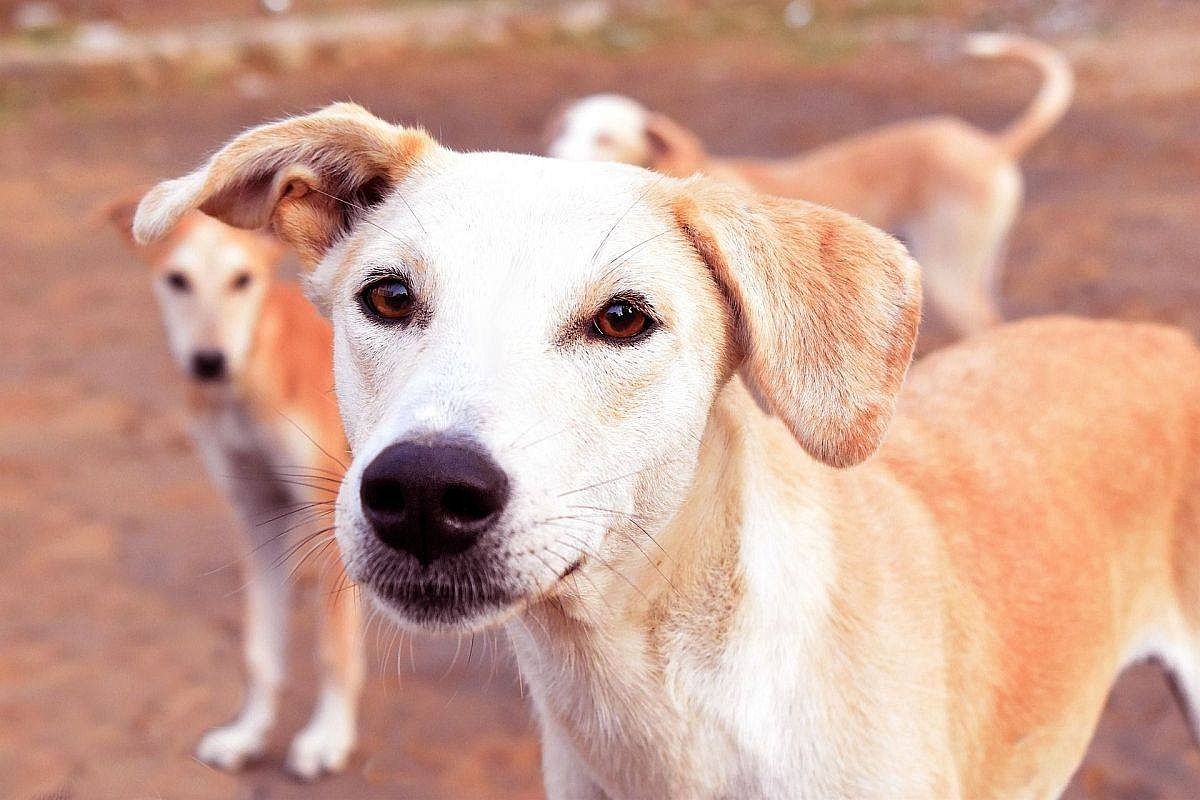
(247, 457)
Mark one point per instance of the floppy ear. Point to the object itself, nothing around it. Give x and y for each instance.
(674, 150)
(825, 312)
(310, 177)
(119, 214)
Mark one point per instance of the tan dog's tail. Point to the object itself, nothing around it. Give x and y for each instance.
(1052, 100)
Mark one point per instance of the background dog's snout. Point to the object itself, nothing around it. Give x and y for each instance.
(432, 500)
(208, 365)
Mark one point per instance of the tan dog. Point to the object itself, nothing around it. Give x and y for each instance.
(258, 356)
(608, 409)
(950, 190)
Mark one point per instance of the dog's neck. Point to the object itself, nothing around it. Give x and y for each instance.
(606, 659)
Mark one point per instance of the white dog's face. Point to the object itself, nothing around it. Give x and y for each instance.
(561, 355)
(527, 350)
(601, 127)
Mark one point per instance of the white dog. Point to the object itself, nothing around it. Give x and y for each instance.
(606, 408)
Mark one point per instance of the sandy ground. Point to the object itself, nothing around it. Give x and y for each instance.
(119, 606)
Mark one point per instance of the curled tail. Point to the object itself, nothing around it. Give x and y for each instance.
(1052, 99)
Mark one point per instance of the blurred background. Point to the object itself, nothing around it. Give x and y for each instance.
(119, 597)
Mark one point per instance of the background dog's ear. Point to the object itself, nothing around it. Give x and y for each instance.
(310, 177)
(673, 149)
(825, 312)
(119, 214)
(556, 121)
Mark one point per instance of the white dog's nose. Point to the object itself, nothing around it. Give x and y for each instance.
(432, 499)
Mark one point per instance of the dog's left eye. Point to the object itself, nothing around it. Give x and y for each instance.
(388, 299)
(621, 319)
(240, 281)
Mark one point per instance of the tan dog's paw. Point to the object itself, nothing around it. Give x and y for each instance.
(231, 747)
(324, 746)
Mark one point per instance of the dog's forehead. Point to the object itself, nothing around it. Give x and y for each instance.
(503, 205)
(205, 245)
(538, 185)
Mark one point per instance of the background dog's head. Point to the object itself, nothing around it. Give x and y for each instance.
(210, 280)
(612, 127)
(527, 350)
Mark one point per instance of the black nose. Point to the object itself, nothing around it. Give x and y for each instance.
(434, 499)
(208, 365)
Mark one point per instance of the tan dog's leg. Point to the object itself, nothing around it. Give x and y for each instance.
(266, 629)
(960, 245)
(327, 740)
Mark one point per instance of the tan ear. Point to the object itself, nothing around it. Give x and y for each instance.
(673, 149)
(119, 214)
(309, 177)
(825, 311)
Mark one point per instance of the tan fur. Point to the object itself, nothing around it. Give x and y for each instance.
(942, 619)
(312, 179)
(807, 289)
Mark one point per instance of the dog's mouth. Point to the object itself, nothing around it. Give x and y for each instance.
(464, 593)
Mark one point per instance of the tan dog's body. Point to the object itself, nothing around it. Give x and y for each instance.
(702, 604)
(942, 621)
(271, 439)
(950, 190)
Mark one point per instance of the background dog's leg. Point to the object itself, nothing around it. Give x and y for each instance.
(327, 740)
(960, 245)
(266, 627)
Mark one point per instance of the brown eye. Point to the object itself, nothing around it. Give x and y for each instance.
(178, 281)
(388, 299)
(621, 319)
(240, 281)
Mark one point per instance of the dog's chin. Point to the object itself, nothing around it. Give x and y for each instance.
(443, 608)
(460, 594)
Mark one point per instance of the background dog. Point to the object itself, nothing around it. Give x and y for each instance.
(948, 189)
(661, 517)
(257, 355)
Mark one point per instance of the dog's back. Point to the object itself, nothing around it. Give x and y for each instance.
(1048, 449)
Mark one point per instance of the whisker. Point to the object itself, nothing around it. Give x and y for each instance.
(640, 549)
(326, 507)
(546, 438)
(625, 213)
(365, 211)
(601, 559)
(610, 480)
(613, 261)
(315, 444)
(636, 520)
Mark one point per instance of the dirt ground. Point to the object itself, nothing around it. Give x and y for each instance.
(119, 607)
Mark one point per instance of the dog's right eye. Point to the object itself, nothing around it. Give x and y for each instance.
(388, 299)
(178, 281)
